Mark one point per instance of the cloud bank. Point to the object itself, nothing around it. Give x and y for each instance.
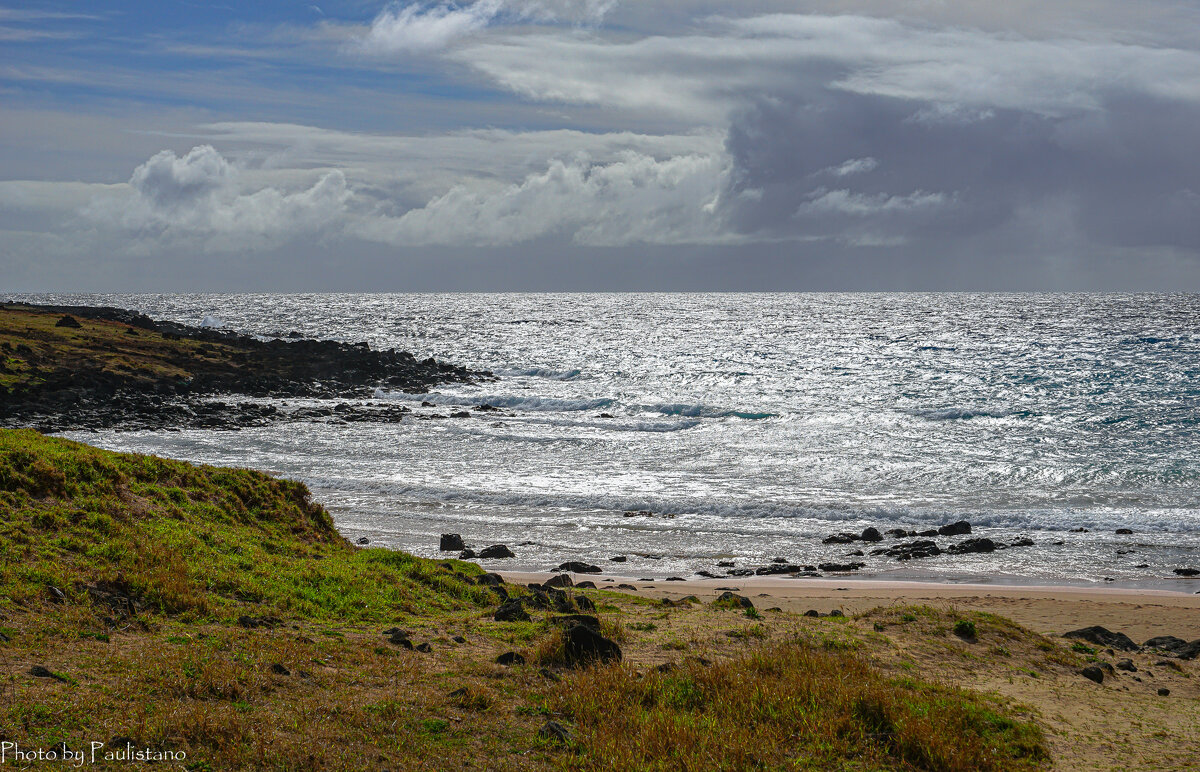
(968, 135)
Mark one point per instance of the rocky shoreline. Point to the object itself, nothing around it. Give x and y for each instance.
(82, 367)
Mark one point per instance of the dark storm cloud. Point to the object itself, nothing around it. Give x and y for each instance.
(939, 173)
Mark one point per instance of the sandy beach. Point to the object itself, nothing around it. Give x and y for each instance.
(1127, 722)
(1049, 610)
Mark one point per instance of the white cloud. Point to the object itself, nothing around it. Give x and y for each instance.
(853, 166)
(864, 205)
(637, 199)
(414, 28)
(699, 77)
(196, 199)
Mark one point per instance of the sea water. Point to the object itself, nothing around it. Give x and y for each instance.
(750, 426)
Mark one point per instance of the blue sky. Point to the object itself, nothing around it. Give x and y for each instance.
(599, 144)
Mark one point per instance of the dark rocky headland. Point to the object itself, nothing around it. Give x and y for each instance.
(79, 367)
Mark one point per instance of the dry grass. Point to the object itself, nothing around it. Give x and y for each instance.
(787, 706)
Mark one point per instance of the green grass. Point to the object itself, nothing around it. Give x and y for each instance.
(199, 547)
(202, 543)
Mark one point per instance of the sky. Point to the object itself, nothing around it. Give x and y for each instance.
(600, 145)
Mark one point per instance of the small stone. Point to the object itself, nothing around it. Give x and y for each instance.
(363, 540)
(400, 639)
(1124, 532)
(618, 558)
(1093, 673)
(1187, 571)
(424, 647)
(279, 669)
(1126, 665)
(871, 534)
(1163, 691)
(496, 551)
(555, 732)
(510, 658)
(467, 554)
(452, 542)
(40, 671)
(459, 639)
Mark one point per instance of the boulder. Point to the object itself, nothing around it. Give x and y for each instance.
(1188, 571)
(840, 538)
(583, 644)
(913, 549)
(1103, 637)
(1126, 665)
(363, 540)
(1093, 673)
(398, 638)
(511, 611)
(618, 559)
(871, 534)
(562, 580)
(774, 568)
(983, 544)
(900, 533)
(960, 528)
(490, 580)
(586, 585)
(69, 322)
(452, 542)
(1024, 541)
(579, 567)
(467, 554)
(836, 568)
(1124, 532)
(510, 658)
(496, 551)
(742, 572)
(1165, 643)
(1164, 691)
(731, 600)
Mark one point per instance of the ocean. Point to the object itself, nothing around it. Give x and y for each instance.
(750, 427)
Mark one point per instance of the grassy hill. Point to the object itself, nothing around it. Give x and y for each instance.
(217, 613)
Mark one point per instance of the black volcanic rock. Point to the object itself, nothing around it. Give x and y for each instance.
(1103, 637)
(913, 550)
(84, 393)
(579, 567)
(960, 528)
(496, 551)
(972, 545)
(451, 542)
(838, 568)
